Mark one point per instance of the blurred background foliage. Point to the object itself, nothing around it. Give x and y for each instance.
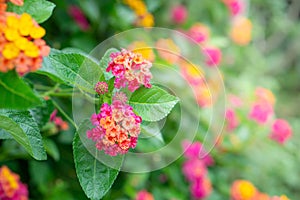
(271, 60)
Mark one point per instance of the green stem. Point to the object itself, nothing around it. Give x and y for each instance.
(65, 114)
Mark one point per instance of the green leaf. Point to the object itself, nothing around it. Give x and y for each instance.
(41, 114)
(22, 127)
(73, 69)
(51, 149)
(104, 63)
(95, 178)
(4, 135)
(152, 104)
(151, 130)
(15, 93)
(40, 10)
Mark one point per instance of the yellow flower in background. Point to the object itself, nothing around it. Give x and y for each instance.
(243, 190)
(144, 18)
(241, 31)
(168, 50)
(142, 48)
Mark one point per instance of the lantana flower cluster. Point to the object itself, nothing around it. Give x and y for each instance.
(117, 127)
(144, 18)
(245, 190)
(195, 169)
(11, 188)
(130, 69)
(262, 112)
(21, 43)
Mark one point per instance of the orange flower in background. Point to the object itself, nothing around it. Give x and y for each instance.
(144, 18)
(10, 186)
(142, 48)
(241, 31)
(265, 95)
(282, 197)
(262, 196)
(21, 45)
(243, 190)
(144, 195)
(168, 50)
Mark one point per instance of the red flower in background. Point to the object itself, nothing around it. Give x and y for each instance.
(79, 17)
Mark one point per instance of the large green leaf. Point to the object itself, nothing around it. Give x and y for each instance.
(42, 113)
(95, 178)
(15, 93)
(40, 10)
(104, 62)
(152, 104)
(22, 127)
(71, 68)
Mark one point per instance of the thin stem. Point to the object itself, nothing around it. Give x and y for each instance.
(65, 114)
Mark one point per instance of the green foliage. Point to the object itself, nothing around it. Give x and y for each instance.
(23, 128)
(15, 93)
(40, 10)
(152, 104)
(95, 178)
(73, 69)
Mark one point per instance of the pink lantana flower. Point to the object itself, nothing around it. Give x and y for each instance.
(117, 127)
(261, 112)
(281, 131)
(130, 69)
(232, 120)
(196, 151)
(199, 32)
(179, 14)
(212, 56)
(144, 195)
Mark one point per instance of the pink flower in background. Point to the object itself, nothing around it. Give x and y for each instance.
(199, 32)
(79, 17)
(235, 101)
(58, 121)
(232, 120)
(196, 151)
(281, 131)
(213, 56)
(11, 188)
(194, 169)
(260, 112)
(235, 7)
(179, 14)
(201, 188)
(144, 195)
(282, 197)
(17, 2)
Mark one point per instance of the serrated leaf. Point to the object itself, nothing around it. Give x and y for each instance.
(152, 104)
(15, 93)
(51, 149)
(73, 69)
(22, 127)
(40, 10)
(104, 63)
(95, 178)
